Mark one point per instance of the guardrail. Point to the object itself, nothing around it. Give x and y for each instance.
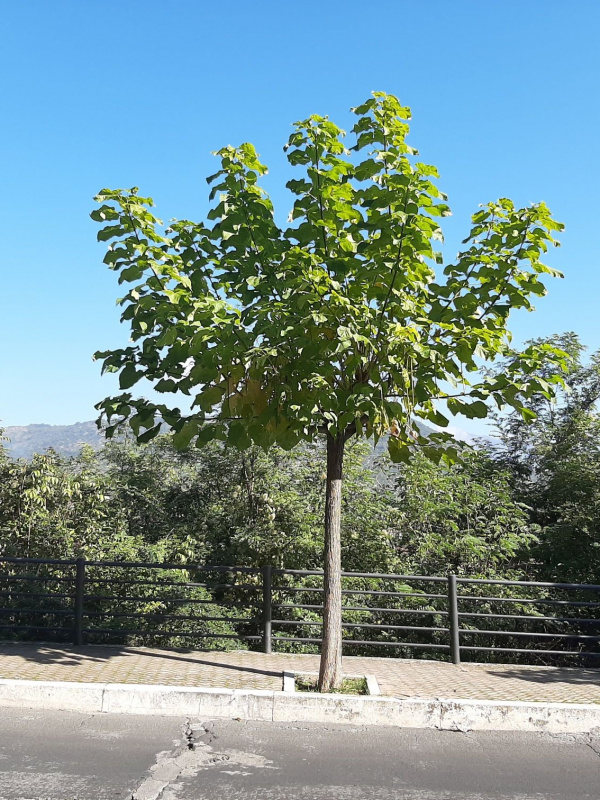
(267, 608)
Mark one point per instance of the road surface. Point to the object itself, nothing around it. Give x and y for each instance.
(62, 756)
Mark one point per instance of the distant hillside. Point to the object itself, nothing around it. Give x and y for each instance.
(25, 440)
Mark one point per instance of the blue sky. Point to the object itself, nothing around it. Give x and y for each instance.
(505, 100)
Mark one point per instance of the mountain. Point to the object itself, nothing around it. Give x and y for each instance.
(25, 440)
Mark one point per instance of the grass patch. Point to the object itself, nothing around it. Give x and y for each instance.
(306, 683)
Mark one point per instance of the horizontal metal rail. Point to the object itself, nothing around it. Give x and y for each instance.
(530, 618)
(42, 611)
(176, 601)
(181, 584)
(594, 587)
(215, 586)
(67, 629)
(360, 625)
(51, 561)
(369, 609)
(134, 599)
(530, 635)
(169, 634)
(42, 578)
(180, 567)
(45, 595)
(531, 651)
(159, 615)
(531, 601)
(374, 643)
(297, 589)
(378, 575)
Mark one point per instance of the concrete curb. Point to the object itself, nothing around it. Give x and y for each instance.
(415, 712)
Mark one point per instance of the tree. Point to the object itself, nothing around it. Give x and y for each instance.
(555, 462)
(461, 518)
(332, 327)
(46, 511)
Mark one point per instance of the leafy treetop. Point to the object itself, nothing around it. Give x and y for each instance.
(336, 323)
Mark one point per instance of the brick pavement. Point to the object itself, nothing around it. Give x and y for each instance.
(249, 670)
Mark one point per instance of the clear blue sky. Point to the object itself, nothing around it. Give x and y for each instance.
(505, 100)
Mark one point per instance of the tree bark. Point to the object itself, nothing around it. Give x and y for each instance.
(330, 674)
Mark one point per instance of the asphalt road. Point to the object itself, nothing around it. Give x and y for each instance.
(62, 756)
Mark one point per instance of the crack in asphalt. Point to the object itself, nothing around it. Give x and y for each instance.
(190, 755)
(592, 742)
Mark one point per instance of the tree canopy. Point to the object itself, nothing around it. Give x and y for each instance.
(335, 323)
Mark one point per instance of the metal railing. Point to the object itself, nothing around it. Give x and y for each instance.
(79, 601)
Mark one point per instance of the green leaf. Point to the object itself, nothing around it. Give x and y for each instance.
(527, 414)
(110, 232)
(148, 435)
(128, 376)
(183, 437)
(399, 452)
(238, 436)
(478, 409)
(209, 397)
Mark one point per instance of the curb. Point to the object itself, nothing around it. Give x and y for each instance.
(270, 706)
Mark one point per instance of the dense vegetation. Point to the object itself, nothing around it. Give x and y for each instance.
(527, 506)
(220, 506)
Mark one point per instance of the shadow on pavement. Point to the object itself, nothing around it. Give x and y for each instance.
(73, 656)
(577, 676)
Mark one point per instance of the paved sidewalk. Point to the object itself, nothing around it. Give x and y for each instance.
(248, 670)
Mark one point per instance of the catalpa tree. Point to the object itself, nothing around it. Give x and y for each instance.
(334, 326)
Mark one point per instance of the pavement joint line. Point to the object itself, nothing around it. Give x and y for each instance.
(449, 714)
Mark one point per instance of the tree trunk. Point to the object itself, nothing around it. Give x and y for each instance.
(330, 674)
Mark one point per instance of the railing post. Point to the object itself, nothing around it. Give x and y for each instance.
(79, 594)
(453, 620)
(267, 575)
